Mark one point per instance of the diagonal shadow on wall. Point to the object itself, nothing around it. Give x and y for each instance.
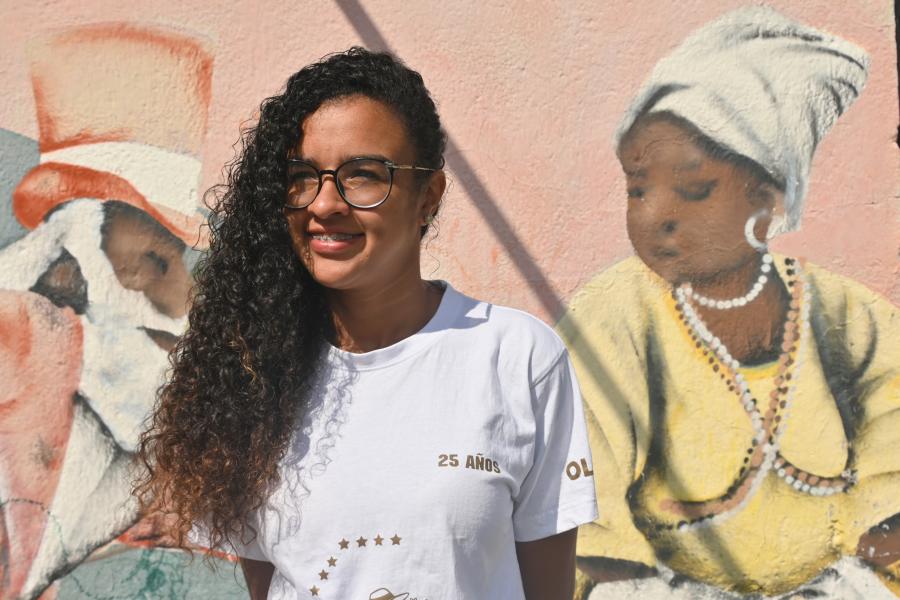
(522, 259)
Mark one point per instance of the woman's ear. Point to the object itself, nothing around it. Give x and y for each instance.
(767, 197)
(431, 197)
(764, 195)
(777, 223)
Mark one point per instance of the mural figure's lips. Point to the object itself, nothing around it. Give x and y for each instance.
(664, 252)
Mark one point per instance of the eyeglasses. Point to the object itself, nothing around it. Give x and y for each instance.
(361, 182)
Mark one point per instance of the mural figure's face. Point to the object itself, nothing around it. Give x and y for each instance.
(687, 210)
(148, 259)
(384, 243)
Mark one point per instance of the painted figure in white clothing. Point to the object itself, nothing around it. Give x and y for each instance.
(95, 294)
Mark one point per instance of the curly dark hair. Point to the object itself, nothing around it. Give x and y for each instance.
(258, 320)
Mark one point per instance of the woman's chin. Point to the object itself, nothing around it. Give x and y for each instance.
(331, 276)
(665, 269)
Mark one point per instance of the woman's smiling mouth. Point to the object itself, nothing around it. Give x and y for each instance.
(333, 242)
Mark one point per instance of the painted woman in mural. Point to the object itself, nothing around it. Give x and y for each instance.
(742, 405)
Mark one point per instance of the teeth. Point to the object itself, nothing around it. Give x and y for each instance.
(332, 237)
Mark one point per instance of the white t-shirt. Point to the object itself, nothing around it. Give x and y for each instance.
(418, 466)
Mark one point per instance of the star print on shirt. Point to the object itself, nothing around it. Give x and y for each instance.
(344, 544)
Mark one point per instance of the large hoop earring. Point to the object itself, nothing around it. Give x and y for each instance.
(750, 234)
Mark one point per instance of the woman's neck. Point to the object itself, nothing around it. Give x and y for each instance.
(369, 319)
(730, 284)
(752, 333)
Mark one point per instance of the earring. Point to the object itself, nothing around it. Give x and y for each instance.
(776, 227)
(750, 234)
(429, 219)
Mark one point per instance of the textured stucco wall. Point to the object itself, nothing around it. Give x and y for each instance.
(530, 95)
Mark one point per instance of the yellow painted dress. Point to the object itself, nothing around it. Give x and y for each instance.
(665, 430)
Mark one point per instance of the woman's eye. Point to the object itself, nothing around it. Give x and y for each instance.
(363, 174)
(696, 193)
(361, 177)
(635, 192)
(157, 261)
(302, 177)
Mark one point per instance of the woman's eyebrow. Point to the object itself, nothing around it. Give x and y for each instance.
(639, 172)
(345, 157)
(691, 165)
(711, 184)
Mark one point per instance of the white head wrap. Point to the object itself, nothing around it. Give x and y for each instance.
(760, 85)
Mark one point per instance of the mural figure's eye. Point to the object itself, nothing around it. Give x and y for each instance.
(635, 193)
(158, 262)
(697, 192)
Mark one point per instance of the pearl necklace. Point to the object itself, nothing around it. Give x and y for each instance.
(744, 300)
(763, 455)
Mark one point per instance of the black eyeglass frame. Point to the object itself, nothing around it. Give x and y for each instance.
(391, 167)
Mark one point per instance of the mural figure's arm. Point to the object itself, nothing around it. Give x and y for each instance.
(858, 333)
(40, 359)
(604, 342)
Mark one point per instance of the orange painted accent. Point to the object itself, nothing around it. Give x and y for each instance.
(120, 82)
(40, 367)
(51, 184)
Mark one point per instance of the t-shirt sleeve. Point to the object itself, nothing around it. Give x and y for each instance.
(247, 546)
(557, 494)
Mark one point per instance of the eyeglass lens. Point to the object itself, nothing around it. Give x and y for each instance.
(362, 182)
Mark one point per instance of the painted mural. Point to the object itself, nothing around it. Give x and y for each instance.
(744, 405)
(742, 398)
(94, 282)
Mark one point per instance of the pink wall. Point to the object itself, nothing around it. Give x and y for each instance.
(526, 89)
(530, 95)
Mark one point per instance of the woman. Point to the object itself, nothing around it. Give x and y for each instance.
(743, 410)
(347, 428)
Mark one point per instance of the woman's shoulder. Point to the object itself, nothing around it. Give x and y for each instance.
(840, 296)
(617, 287)
(514, 334)
(618, 299)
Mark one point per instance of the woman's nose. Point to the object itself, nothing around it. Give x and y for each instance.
(662, 210)
(329, 200)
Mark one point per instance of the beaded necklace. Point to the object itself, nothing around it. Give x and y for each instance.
(763, 454)
(757, 287)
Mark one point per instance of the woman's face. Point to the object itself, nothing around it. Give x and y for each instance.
(686, 210)
(383, 244)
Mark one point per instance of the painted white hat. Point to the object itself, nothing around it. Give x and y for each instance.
(122, 114)
(761, 85)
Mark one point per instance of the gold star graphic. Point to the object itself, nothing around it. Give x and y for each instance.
(361, 542)
(314, 591)
(332, 561)
(378, 539)
(395, 541)
(343, 544)
(323, 574)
